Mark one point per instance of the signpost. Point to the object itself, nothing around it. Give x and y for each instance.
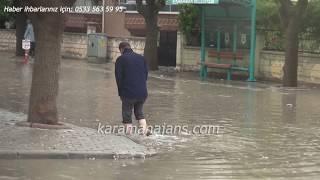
(26, 45)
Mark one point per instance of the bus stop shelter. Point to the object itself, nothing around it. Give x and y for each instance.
(227, 28)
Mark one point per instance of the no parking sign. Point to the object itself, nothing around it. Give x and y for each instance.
(26, 45)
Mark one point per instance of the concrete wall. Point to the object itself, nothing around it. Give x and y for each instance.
(189, 57)
(137, 44)
(115, 25)
(74, 45)
(7, 40)
(271, 63)
(268, 63)
(115, 22)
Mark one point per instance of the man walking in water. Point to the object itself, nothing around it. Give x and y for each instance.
(131, 75)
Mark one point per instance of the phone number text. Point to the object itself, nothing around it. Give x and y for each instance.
(93, 9)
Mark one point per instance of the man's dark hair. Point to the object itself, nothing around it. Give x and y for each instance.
(124, 45)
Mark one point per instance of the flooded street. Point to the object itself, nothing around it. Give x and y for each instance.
(268, 132)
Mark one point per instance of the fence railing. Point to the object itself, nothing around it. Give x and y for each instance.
(275, 40)
(131, 6)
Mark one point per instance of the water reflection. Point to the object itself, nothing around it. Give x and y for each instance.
(269, 132)
(289, 106)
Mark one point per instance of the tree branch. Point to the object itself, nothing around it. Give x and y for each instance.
(160, 4)
(301, 8)
(141, 7)
(285, 12)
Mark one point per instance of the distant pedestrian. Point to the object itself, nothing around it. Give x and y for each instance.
(29, 35)
(131, 75)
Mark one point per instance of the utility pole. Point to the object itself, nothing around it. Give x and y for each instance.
(103, 5)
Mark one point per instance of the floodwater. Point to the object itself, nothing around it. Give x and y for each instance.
(267, 132)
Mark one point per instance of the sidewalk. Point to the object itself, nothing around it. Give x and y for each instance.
(75, 143)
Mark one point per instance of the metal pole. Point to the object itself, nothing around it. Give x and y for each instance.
(26, 56)
(218, 44)
(235, 38)
(103, 5)
(203, 70)
(253, 41)
(235, 41)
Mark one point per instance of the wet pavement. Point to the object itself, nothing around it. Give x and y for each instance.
(19, 142)
(269, 132)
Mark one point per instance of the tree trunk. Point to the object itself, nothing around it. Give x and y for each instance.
(21, 19)
(149, 11)
(290, 68)
(151, 46)
(45, 77)
(291, 17)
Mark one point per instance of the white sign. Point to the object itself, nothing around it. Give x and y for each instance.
(243, 38)
(227, 38)
(26, 44)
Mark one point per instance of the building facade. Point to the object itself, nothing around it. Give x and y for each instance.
(130, 23)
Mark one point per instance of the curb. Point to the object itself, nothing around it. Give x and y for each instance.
(9, 155)
(42, 126)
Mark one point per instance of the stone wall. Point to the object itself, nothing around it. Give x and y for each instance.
(74, 45)
(7, 40)
(187, 57)
(137, 44)
(271, 63)
(190, 57)
(268, 63)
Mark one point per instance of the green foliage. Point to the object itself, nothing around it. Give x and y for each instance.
(312, 19)
(5, 16)
(274, 40)
(268, 22)
(268, 18)
(3, 3)
(189, 19)
(268, 14)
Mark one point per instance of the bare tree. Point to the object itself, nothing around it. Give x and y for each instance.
(150, 11)
(291, 15)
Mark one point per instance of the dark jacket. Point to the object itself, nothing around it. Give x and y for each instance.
(131, 75)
